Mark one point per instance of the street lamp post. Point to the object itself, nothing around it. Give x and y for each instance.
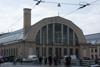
(58, 39)
(58, 49)
(43, 47)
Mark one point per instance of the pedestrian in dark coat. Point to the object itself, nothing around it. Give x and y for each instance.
(66, 61)
(50, 60)
(69, 60)
(55, 60)
(40, 60)
(45, 60)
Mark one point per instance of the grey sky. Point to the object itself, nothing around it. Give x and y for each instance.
(88, 18)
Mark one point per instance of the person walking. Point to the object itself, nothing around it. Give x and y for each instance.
(45, 60)
(50, 60)
(55, 60)
(40, 60)
(69, 60)
(66, 61)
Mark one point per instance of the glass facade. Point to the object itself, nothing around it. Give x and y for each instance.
(38, 37)
(76, 40)
(58, 52)
(57, 33)
(65, 51)
(50, 34)
(44, 54)
(70, 36)
(71, 51)
(64, 35)
(37, 51)
(44, 35)
(50, 52)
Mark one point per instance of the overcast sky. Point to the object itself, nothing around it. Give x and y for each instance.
(88, 18)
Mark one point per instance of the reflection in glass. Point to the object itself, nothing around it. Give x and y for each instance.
(50, 52)
(57, 33)
(64, 35)
(50, 34)
(70, 36)
(65, 51)
(44, 35)
(76, 40)
(71, 51)
(38, 38)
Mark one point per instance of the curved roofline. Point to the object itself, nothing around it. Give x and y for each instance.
(36, 27)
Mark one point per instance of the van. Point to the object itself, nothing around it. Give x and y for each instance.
(73, 57)
(31, 58)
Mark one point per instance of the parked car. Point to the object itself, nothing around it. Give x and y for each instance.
(31, 58)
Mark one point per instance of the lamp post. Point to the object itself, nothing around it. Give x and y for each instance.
(58, 39)
(43, 47)
(58, 49)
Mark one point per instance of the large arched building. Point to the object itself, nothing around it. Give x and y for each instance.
(50, 36)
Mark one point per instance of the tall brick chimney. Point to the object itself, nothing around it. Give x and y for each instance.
(27, 21)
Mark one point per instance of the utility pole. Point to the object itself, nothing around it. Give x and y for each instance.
(58, 49)
(58, 39)
(43, 47)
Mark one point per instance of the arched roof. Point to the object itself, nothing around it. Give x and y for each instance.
(93, 38)
(11, 37)
(31, 35)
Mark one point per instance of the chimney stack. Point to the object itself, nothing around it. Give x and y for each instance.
(27, 21)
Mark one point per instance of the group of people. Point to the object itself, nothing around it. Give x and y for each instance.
(55, 60)
(48, 60)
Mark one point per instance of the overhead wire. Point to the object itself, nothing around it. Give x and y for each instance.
(61, 3)
(18, 20)
(39, 1)
(90, 23)
(13, 23)
(94, 1)
(70, 12)
(83, 5)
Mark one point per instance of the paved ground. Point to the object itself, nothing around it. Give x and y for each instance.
(8, 64)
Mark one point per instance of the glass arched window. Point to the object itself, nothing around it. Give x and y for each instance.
(70, 36)
(44, 35)
(76, 40)
(38, 37)
(57, 33)
(50, 34)
(64, 35)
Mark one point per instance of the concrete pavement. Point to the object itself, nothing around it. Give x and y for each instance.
(8, 64)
